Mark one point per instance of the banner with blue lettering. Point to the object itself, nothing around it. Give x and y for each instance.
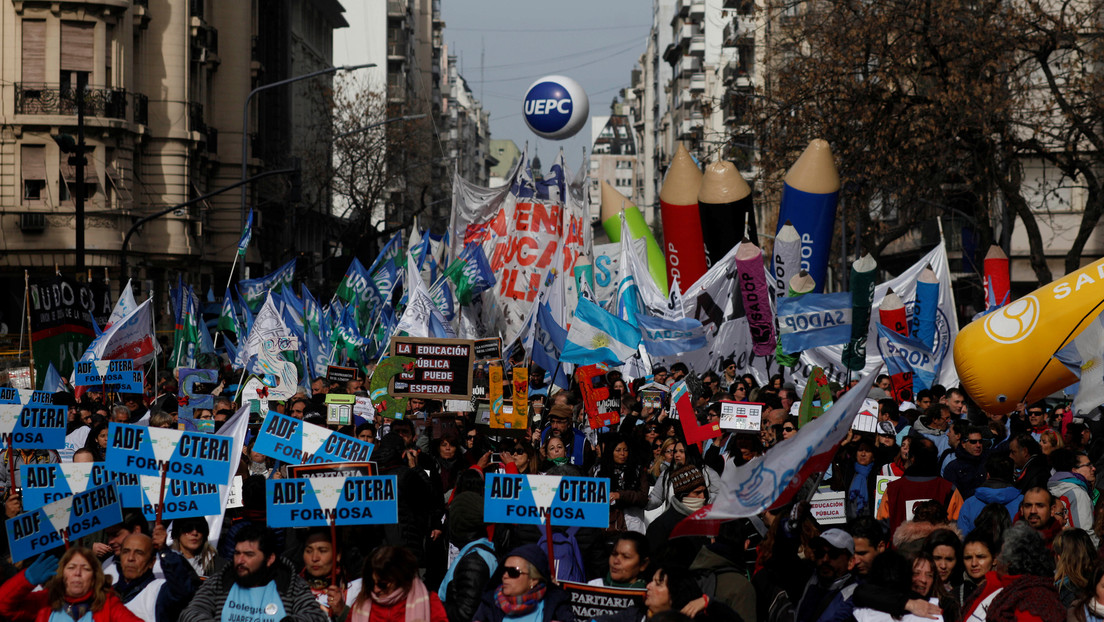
(25, 397)
(191, 456)
(903, 355)
(62, 521)
(530, 499)
(33, 426)
(46, 483)
(115, 374)
(663, 337)
(814, 320)
(317, 501)
(295, 442)
(182, 498)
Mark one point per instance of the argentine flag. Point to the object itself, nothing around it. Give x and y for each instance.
(597, 336)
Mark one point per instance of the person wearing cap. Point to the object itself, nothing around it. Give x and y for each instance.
(827, 595)
(525, 593)
(578, 449)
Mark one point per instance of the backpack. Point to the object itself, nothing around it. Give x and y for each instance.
(568, 562)
(706, 578)
(481, 547)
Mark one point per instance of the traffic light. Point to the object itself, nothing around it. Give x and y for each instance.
(68, 144)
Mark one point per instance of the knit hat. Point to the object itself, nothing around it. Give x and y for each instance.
(686, 479)
(560, 411)
(535, 555)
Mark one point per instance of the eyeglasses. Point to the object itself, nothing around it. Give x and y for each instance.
(788, 429)
(513, 572)
(972, 441)
(382, 586)
(1035, 413)
(1086, 465)
(471, 437)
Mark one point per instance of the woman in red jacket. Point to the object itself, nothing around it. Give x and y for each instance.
(77, 588)
(393, 592)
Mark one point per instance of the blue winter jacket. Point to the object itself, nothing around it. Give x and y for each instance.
(993, 491)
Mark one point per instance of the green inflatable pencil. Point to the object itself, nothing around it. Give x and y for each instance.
(612, 204)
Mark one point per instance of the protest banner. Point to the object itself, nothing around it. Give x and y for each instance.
(442, 368)
(332, 469)
(488, 349)
(601, 408)
(181, 499)
(113, 375)
(33, 426)
(9, 395)
(320, 501)
(55, 524)
(191, 456)
(60, 317)
(296, 442)
(829, 507)
(741, 416)
(46, 483)
(537, 499)
(880, 484)
(234, 494)
(595, 601)
(363, 408)
(192, 399)
(340, 375)
(693, 430)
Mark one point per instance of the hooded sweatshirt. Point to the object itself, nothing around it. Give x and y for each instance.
(994, 491)
(939, 437)
(1073, 490)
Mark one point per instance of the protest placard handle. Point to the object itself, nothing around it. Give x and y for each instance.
(161, 495)
(551, 551)
(11, 464)
(333, 547)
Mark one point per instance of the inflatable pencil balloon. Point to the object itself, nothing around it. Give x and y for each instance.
(613, 202)
(787, 257)
(682, 233)
(926, 307)
(862, 298)
(809, 197)
(800, 285)
(892, 315)
(724, 203)
(1007, 356)
(752, 282)
(997, 279)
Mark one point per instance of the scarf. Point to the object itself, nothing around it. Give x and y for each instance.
(637, 584)
(519, 605)
(417, 603)
(858, 496)
(1031, 594)
(77, 607)
(1094, 607)
(559, 461)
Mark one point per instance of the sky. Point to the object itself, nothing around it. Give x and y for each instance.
(595, 42)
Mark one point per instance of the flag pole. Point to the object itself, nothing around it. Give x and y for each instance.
(30, 332)
(153, 322)
(229, 280)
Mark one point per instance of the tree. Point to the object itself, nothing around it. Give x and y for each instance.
(932, 106)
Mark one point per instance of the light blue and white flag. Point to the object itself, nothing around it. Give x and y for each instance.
(814, 320)
(905, 355)
(1084, 357)
(422, 317)
(663, 337)
(252, 291)
(597, 336)
(247, 234)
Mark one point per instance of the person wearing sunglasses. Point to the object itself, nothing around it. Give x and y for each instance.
(190, 540)
(525, 592)
(967, 470)
(392, 590)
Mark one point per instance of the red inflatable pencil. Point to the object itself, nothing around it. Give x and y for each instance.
(683, 245)
(996, 278)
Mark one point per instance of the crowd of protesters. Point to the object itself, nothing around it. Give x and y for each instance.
(988, 518)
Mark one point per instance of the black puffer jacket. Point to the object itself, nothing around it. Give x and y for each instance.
(557, 606)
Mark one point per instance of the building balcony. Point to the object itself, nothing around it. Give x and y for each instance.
(697, 8)
(690, 128)
(58, 99)
(697, 45)
(688, 65)
(697, 83)
(396, 8)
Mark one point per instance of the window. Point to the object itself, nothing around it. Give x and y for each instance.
(32, 163)
(77, 51)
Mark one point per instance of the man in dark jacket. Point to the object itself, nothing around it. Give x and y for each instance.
(828, 594)
(997, 488)
(467, 579)
(1031, 465)
(144, 595)
(967, 470)
(257, 584)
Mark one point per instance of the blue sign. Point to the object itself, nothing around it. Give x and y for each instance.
(64, 520)
(317, 501)
(295, 442)
(33, 426)
(534, 499)
(117, 375)
(45, 483)
(182, 499)
(190, 402)
(191, 456)
(25, 397)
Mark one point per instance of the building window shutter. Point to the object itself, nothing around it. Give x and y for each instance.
(77, 46)
(34, 51)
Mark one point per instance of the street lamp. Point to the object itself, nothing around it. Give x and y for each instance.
(245, 119)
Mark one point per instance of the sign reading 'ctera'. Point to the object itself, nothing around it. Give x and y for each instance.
(191, 456)
(182, 499)
(442, 368)
(55, 524)
(320, 501)
(46, 483)
(116, 375)
(296, 442)
(533, 499)
(29, 420)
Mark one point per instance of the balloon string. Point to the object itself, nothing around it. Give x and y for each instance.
(1064, 344)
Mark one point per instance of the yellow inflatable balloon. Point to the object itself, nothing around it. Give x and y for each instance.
(1008, 356)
